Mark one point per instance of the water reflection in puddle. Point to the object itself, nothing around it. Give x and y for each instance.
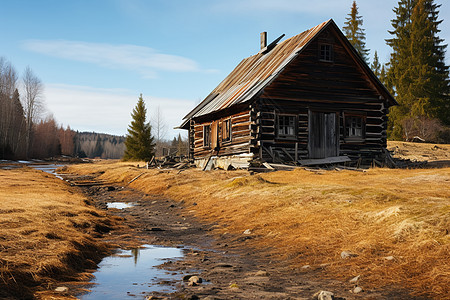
(132, 274)
(119, 205)
(50, 168)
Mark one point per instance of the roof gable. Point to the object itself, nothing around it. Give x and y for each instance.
(254, 73)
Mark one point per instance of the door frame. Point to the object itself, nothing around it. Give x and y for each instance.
(337, 129)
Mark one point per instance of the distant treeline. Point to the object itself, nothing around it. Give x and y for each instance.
(92, 145)
(24, 133)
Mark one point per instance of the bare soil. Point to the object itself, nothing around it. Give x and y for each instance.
(230, 268)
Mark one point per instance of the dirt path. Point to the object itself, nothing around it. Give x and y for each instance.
(230, 268)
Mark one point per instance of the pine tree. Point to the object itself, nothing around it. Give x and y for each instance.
(354, 33)
(417, 71)
(376, 66)
(139, 141)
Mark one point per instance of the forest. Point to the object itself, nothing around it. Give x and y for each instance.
(25, 133)
(416, 73)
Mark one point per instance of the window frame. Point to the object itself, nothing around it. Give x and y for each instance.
(323, 53)
(226, 130)
(207, 136)
(348, 117)
(278, 127)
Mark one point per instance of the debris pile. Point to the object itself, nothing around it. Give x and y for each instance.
(400, 163)
(170, 162)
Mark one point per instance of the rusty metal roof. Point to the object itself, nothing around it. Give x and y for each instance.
(254, 73)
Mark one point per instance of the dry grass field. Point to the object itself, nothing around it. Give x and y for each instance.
(395, 222)
(420, 151)
(47, 234)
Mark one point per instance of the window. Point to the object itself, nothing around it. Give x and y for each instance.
(206, 135)
(226, 130)
(286, 126)
(326, 52)
(354, 127)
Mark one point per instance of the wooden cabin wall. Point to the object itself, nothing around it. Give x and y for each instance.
(273, 149)
(338, 86)
(240, 136)
(270, 148)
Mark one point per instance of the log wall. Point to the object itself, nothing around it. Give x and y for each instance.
(240, 136)
(310, 84)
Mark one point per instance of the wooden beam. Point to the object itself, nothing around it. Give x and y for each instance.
(324, 161)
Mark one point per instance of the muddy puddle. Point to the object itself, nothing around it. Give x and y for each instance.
(133, 274)
(120, 205)
(49, 168)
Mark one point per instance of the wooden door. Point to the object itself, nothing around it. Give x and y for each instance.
(323, 134)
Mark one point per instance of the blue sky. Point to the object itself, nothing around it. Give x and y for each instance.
(96, 56)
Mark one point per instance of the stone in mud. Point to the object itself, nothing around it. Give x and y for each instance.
(347, 254)
(247, 231)
(323, 295)
(354, 279)
(305, 267)
(62, 289)
(194, 281)
(261, 273)
(357, 290)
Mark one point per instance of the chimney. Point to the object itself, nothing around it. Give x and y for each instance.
(263, 40)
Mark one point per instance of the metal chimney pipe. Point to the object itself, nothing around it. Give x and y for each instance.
(263, 40)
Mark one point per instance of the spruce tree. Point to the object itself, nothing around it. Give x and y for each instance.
(354, 33)
(376, 66)
(139, 141)
(417, 71)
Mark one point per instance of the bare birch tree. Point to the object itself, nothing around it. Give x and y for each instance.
(32, 101)
(10, 116)
(159, 128)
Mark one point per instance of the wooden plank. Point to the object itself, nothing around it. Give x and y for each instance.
(323, 161)
(282, 167)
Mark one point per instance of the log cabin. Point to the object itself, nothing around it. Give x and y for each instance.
(308, 100)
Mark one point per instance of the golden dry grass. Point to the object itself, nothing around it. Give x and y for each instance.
(309, 218)
(420, 151)
(46, 232)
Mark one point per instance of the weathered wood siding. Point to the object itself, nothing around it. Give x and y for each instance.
(240, 136)
(310, 84)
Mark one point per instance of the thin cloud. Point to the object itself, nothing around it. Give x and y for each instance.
(108, 110)
(145, 60)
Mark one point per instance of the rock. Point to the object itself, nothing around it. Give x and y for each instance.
(305, 267)
(62, 289)
(261, 273)
(156, 229)
(389, 258)
(347, 254)
(187, 277)
(323, 295)
(247, 231)
(194, 281)
(357, 290)
(354, 279)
